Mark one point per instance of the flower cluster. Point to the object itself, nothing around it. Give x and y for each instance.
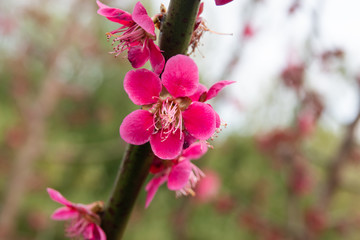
(84, 219)
(136, 35)
(174, 116)
(181, 175)
(173, 107)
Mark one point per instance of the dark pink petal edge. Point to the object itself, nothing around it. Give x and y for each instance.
(100, 234)
(222, 2)
(201, 89)
(141, 17)
(216, 88)
(157, 60)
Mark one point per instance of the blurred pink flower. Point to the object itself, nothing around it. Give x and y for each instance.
(84, 220)
(293, 75)
(181, 175)
(300, 179)
(306, 121)
(208, 187)
(248, 31)
(222, 2)
(167, 116)
(137, 35)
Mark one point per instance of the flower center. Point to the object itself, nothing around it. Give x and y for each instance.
(129, 37)
(167, 118)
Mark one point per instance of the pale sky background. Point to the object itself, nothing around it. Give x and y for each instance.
(266, 54)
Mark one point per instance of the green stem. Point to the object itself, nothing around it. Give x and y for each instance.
(175, 35)
(132, 173)
(178, 27)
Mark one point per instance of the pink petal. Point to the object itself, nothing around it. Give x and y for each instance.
(201, 90)
(195, 151)
(200, 120)
(114, 14)
(137, 127)
(216, 88)
(142, 86)
(98, 233)
(169, 148)
(157, 60)
(222, 2)
(181, 76)
(152, 188)
(64, 213)
(218, 120)
(57, 197)
(88, 232)
(138, 56)
(179, 175)
(141, 17)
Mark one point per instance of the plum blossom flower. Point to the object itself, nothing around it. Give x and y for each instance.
(136, 35)
(202, 94)
(84, 220)
(181, 175)
(168, 114)
(222, 2)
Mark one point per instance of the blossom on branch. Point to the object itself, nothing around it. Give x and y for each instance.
(137, 36)
(180, 174)
(168, 114)
(84, 219)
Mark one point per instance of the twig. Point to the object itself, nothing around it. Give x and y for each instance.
(338, 161)
(175, 36)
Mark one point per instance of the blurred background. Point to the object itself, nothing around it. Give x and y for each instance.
(285, 167)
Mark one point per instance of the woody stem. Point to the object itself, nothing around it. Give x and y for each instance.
(175, 35)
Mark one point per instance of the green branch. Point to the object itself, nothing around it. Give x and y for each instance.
(132, 173)
(178, 27)
(175, 35)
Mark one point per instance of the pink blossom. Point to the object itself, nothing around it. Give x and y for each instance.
(137, 35)
(202, 94)
(84, 220)
(169, 114)
(222, 2)
(208, 187)
(181, 175)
